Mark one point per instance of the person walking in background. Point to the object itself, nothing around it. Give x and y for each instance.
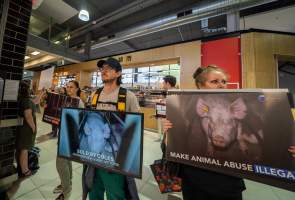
(169, 82)
(64, 166)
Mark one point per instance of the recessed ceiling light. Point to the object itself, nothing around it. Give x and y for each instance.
(84, 15)
(27, 57)
(35, 53)
(68, 37)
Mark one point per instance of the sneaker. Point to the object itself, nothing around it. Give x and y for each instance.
(60, 197)
(57, 189)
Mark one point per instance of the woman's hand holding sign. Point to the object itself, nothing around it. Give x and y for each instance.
(166, 124)
(292, 150)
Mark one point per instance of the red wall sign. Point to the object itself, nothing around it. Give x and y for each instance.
(224, 53)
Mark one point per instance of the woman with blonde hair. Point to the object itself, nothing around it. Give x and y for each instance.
(199, 183)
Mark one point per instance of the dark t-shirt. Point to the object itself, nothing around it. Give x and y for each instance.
(25, 135)
(208, 181)
(213, 183)
(25, 104)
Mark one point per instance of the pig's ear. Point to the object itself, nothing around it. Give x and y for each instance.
(238, 108)
(202, 108)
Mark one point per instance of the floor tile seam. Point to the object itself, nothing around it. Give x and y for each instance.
(77, 167)
(45, 140)
(42, 194)
(43, 183)
(275, 193)
(39, 187)
(143, 184)
(17, 197)
(48, 149)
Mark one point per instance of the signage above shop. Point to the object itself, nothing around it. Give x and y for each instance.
(125, 59)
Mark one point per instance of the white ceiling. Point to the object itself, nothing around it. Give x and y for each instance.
(58, 9)
(277, 20)
(40, 59)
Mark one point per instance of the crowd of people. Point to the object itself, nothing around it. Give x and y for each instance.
(196, 183)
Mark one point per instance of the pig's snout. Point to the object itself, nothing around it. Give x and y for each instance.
(219, 141)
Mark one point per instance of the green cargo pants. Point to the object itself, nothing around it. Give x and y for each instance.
(111, 183)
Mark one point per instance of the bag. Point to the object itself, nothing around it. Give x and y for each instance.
(121, 104)
(33, 159)
(165, 174)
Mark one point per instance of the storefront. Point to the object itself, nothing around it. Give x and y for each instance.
(250, 58)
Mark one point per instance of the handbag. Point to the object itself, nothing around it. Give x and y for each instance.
(165, 173)
(33, 159)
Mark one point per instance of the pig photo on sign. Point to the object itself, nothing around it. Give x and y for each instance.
(223, 122)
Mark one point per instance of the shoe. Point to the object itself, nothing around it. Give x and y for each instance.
(26, 174)
(50, 133)
(60, 197)
(57, 189)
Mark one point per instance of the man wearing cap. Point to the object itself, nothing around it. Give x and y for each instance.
(98, 181)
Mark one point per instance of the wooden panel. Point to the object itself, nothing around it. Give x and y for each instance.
(149, 121)
(284, 44)
(248, 61)
(259, 57)
(35, 81)
(187, 54)
(85, 79)
(190, 60)
(264, 59)
(153, 63)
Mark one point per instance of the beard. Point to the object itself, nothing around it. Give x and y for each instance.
(109, 80)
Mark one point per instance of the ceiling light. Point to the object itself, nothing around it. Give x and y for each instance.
(35, 53)
(57, 42)
(68, 37)
(84, 15)
(27, 57)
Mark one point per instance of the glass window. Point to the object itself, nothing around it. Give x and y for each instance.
(141, 76)
(127, 78)
(174, 66)
(143, 69)
(159, 68)
(151, 77)
(63, 80)
(96, 80)
(127, 71)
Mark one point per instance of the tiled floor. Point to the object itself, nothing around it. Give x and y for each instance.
(40, 186)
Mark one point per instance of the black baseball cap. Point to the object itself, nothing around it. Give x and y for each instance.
(112, 62)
